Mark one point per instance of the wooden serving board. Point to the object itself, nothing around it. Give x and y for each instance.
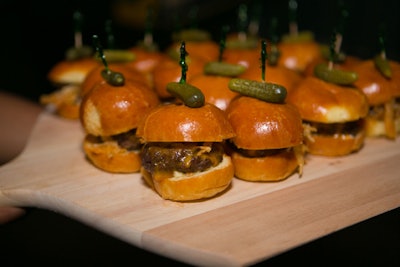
(248, 223)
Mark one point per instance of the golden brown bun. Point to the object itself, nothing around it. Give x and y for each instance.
(373, 84)
(244, 57)
(270, 168)
(179, 123)
(145, 61)
(298, 55)
(108, 110)
(203, 50)
(64, 101)
(72, 71)
(194, 186)
(334, 145)
(215, 89)
(169, 70)
(395, 66)
(263, 125)
(320, 101)
(94, 76)
(110, 157)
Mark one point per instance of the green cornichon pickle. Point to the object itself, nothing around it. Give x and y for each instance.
(74, 53)
(303, 36)
(248, 43)
(195, 35)
(337, 58)
(269, 92)
(190, 95)
(113, 78)
(224, 69)
(117, 55)
(382, 64)
(336, 76)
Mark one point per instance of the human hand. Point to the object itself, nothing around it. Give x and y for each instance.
(8, 214)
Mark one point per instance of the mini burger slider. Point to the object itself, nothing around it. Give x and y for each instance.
(332, 110)
(110, 114)
(268, 145)
(268, 142)
(269, 132)
(378, 80)
(183, 156)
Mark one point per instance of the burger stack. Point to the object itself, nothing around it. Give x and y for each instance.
(192, 153)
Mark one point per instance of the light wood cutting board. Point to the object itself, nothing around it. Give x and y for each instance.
(248, 223)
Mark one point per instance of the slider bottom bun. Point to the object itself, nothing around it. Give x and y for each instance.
(110, 157)
(192, 186)
(272, 168)
(334, 145)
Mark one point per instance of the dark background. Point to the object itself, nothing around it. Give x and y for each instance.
(35, 35)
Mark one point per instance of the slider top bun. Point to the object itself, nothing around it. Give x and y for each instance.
(298, 55)
(215, 89)
(324, 102)
(109, 110)
(373, 84)
(263, 125)
(169, 70)
(246, 56)
(94, 76)
(395, 66)
(145, 61)
(180, 123)
(72, 71)
(207, 50)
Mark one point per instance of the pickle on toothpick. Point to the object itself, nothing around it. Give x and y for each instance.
(382, 64)
(269, 92)
(336, 76)
(119, 55)
(190, 95)
(224, 69)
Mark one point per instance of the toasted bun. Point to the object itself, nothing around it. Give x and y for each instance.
(263, 125)
(65, 101)
(320, 101)
(94, 76)
(298, 55)
(108, 110)
(373, 84)
(244, 57)
(215, 89)
(110, 157)
(180, 123)
(270, 168)
(71, 71)
(169, 70)
(145, 61)
(395, 67)
(193, 186)
(334, 145)
(204, 50)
